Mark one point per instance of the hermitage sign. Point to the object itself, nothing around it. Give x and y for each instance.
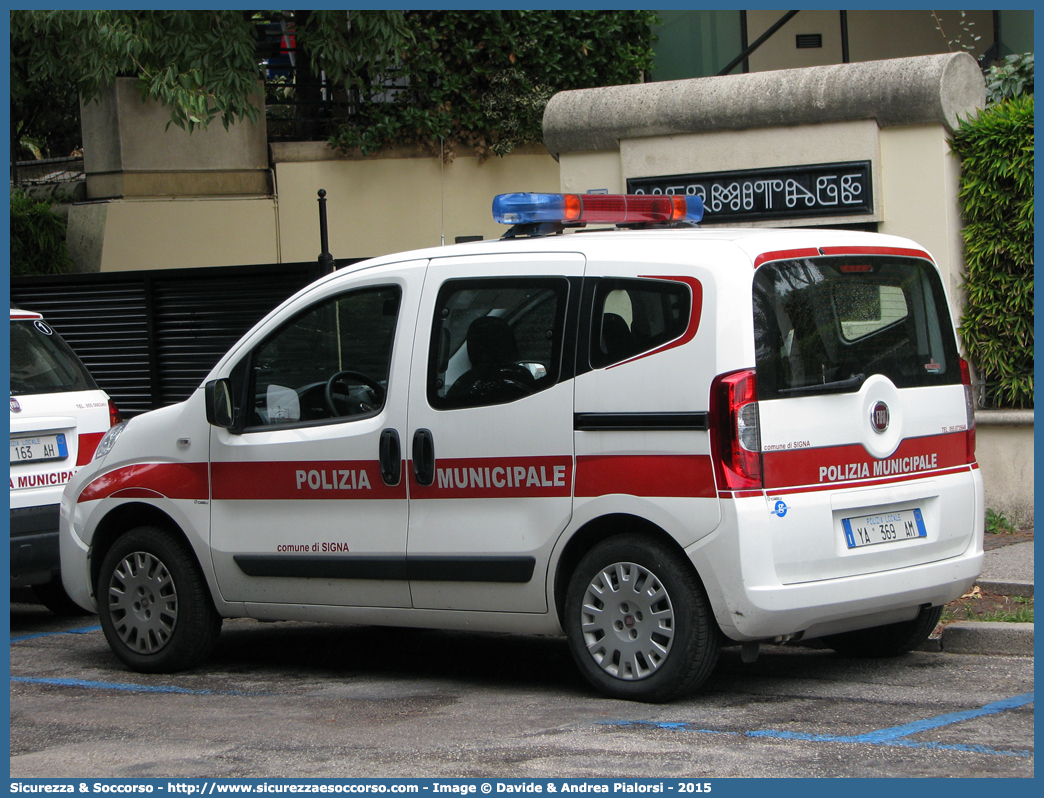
(833, 189)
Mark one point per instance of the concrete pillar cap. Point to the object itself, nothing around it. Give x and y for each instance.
(932, 89)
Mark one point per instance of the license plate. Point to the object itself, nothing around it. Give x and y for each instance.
(890, 527)
(39, 448)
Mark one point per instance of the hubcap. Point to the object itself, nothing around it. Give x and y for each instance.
(143, 602)
(627, 621)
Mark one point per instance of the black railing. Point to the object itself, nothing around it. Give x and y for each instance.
(303, 106)
(48, 170)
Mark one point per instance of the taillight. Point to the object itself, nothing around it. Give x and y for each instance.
(735, 433)
(114, 414)
(969, 405)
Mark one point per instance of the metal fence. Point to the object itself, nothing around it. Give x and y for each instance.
(47, 170)
(150, 337)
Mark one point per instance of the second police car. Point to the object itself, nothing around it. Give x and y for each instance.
(654, 441)
(58, 415)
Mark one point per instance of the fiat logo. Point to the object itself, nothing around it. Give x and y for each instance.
(879, 417)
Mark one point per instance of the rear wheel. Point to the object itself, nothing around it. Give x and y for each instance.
(154, 604)
(638, 622)
(890, 640)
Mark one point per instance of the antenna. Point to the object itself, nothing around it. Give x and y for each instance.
(326, 260)
(442, 189)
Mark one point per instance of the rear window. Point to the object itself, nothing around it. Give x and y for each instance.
(826, 324)
(41, 362)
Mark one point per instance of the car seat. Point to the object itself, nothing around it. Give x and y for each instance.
(495, 375)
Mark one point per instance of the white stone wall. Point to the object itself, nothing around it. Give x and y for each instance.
(1004, 449)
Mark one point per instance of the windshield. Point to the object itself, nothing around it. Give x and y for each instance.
(41, 362)
(826, 324)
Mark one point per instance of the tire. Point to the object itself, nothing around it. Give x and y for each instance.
(53, 596)
(155, 608)
(639, 625)
(890, 640)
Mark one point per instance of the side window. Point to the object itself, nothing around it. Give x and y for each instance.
(329, 362)
(495, 341)
(635, 316)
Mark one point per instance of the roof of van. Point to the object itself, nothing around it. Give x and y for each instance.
(603, 241)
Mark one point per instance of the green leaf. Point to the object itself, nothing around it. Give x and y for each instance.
(996, 197)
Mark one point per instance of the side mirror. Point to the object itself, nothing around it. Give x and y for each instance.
(220, 412)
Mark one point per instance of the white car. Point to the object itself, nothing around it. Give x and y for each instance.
(655, 442)
(58, 415)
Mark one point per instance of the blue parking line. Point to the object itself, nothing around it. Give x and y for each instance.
(84, 631)
(127, 687)
(893, 736)
(898, 732)
(667, 725)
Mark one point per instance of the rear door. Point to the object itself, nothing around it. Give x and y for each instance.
(863, 414)
(490, 425)
(641, 401)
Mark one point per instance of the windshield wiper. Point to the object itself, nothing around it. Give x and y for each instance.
(839, 386)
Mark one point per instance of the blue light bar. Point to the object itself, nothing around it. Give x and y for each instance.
(524, 208)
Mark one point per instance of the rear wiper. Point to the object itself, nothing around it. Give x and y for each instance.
(839, 386)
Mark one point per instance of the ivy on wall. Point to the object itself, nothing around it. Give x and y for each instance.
(37, 236)
(996, 197)
(479, 80)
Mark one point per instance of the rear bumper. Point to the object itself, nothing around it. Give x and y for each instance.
(34, 545)
(815, 609)
(751, 601)
(859, 602)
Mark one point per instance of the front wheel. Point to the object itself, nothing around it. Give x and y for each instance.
(890, 640)
(154, 604)
(638, 622)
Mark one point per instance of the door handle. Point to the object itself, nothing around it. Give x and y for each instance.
(424, 457)
(391, 457)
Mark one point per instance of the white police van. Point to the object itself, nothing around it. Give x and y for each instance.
(655, 441)
(58, 415)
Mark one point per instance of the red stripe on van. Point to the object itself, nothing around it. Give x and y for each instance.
(172, 480)
(85, 447)
(681, 476)
(785, 254)
(852, 463)
(302, 480)
(791, 254)
(497, 478)
(873, 483)
(896, 251)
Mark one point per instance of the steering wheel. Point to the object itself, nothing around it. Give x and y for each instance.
(356, 376)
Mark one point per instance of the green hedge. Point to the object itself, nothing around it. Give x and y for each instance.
(479, 80)
(996, 197)
(37, 237)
